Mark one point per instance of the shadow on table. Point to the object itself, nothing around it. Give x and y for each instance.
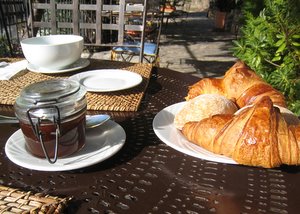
(290, 169)
(141, 125)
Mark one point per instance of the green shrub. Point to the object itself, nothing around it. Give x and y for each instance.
(270, 45)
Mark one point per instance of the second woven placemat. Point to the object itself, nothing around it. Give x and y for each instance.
(125, 100)
(16, 201)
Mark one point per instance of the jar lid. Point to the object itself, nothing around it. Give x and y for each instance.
(52, 91)
(67, 95)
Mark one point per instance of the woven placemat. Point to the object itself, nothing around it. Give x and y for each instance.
(125, 100)
(16, 201)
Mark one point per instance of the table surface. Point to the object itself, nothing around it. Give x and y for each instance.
(147, 176)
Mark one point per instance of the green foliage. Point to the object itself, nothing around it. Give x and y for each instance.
(270, 45)
(253, 6)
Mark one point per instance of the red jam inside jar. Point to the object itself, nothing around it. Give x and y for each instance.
(52, 117)
(71, 139)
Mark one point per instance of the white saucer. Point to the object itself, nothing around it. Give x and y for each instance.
(101, 143)
(106, 80)
(79, 64)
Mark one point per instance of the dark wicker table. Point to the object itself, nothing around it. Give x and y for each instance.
(147, 176)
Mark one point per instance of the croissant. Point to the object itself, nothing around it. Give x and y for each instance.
(256, 136)
(239, 83)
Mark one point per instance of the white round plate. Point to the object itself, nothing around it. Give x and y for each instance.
(101, 143)
(79, 64)
(106, 80)
(167, 132)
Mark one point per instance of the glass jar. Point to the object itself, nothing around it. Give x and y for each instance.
(52, 117)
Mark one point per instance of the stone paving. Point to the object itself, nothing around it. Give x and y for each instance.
(192, 45)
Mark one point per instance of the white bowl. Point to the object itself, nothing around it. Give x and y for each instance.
(52, 52)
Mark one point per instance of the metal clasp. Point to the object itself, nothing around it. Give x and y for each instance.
(35, 125)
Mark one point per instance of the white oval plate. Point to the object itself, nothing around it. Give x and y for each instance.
(167, 132)
(107, 80)
(79, 64)
(101, 143)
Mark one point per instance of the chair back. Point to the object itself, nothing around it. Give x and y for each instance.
(13, 25)
(156, 18)
(100, 23)
(150, 36)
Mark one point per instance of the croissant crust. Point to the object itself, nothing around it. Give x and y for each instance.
(262, 133)
(239, 83)
(257, 136)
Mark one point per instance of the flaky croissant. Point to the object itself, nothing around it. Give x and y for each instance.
(256, 136)
(239, 83)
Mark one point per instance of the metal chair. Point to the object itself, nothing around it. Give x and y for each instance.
(152, 32)
(176, 10)
(13, 21)
(100, 23)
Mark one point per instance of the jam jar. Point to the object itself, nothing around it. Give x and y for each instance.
(52, 117)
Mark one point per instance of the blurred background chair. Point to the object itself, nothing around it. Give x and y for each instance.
(102, 23)
(152, 32)
(13, 26)
(175, 10)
